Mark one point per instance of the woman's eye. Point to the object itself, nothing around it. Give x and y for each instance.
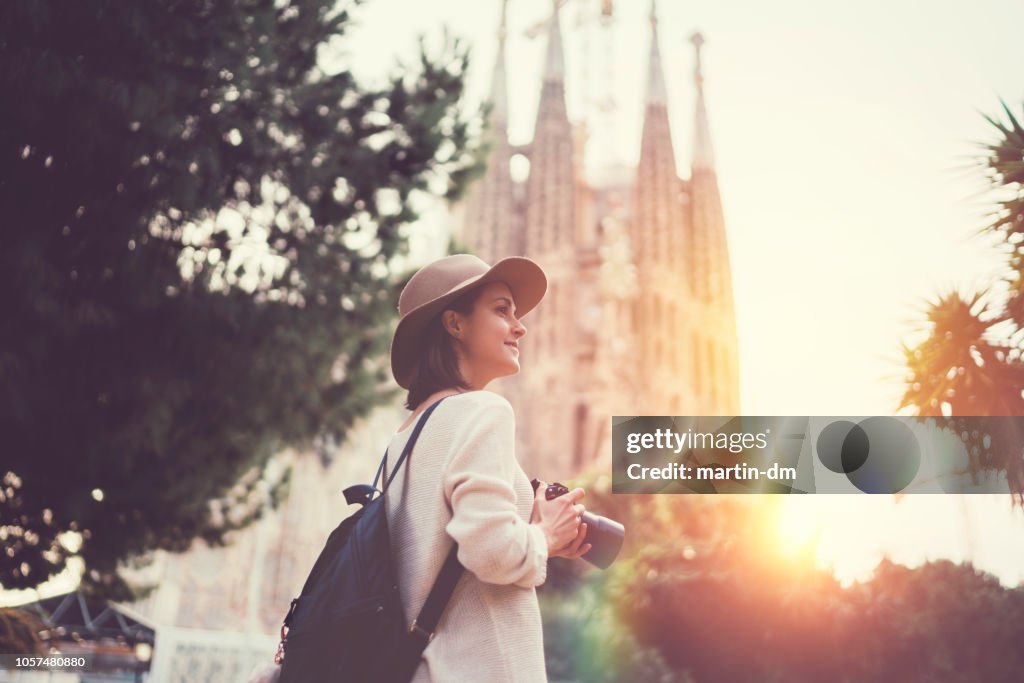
(503, 309)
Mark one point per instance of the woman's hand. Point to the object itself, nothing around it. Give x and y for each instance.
(559, 519)
(576, 548)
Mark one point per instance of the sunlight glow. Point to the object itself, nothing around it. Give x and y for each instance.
(798, 532)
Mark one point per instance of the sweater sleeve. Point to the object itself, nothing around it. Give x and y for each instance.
(495, 543)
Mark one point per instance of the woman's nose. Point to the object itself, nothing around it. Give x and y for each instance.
(520, 329)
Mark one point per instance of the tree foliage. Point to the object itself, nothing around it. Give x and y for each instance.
(201, 210)
(703, 592)
(972, 362)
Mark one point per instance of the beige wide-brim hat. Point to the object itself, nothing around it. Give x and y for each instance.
(436, 285)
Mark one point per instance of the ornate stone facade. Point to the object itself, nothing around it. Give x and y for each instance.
(639, 315)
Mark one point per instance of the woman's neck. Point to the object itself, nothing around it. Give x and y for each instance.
(437, 396)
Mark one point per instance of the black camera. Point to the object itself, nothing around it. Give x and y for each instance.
(604, 535)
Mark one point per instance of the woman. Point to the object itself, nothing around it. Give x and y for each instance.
(460, 329)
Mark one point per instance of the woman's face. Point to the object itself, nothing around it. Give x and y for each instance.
(487, 340)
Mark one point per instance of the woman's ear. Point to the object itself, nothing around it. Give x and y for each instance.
(452, 324)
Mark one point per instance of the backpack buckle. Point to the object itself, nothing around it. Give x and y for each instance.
(279, 655)
(288, 617)
(360, 493)
(416, 628)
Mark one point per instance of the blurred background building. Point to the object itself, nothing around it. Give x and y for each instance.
(639, 315)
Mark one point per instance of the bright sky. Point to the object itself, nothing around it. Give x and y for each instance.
(843, 134)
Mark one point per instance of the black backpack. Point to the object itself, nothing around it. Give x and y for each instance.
(347, 624)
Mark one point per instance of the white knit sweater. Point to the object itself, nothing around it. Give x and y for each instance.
(462, 482)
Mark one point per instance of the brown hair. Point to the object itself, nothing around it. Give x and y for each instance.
(437, 366)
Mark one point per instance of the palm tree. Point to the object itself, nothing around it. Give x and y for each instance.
(971, 363)
(964, 367)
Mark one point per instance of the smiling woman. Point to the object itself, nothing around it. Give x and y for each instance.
(459, 317)
(487, 340)
(469, 539)
(460, 329)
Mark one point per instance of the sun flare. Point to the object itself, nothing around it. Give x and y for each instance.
(797, 529)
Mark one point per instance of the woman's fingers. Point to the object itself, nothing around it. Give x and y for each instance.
(575, 495)
(572, 549)
(581, 552)
(571, 535)
(574, 545)
(538, 498)
(581, 534)
(578, 553)
(561, 518)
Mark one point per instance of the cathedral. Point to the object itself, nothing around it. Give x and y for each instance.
(639, 316)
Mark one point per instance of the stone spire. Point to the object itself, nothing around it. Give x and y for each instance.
(708, 262)
(553, 193)
(550, 189)
(703, 156)
(711, 279)
(660, 236)
(655, 75)
(554, 63)
(657, 212)
(499, 84)
(491, 226)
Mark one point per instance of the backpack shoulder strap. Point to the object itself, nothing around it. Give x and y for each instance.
(422, 629)
(408, 447)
